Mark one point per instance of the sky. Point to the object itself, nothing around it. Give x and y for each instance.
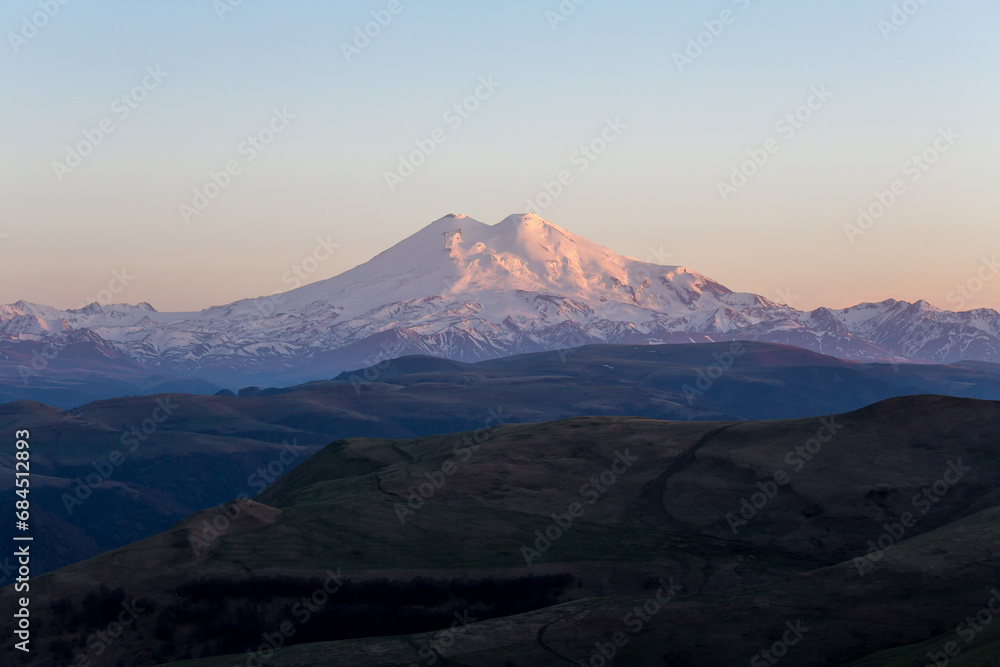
(189, 153)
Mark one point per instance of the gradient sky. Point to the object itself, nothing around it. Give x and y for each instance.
(653, 195)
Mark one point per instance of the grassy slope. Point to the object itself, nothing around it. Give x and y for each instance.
(664, 517)
(921, 583)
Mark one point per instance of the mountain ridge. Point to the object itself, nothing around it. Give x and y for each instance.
(469, 291)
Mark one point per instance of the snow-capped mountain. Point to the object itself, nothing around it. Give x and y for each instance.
(462, 289)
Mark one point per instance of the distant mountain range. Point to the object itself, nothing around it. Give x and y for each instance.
(210, 449)
(462, 290)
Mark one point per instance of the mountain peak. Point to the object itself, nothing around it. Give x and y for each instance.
(449, 223)
(463, 289)
(521, 222)
(523, 219)
(456, 254)
(529, 221)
